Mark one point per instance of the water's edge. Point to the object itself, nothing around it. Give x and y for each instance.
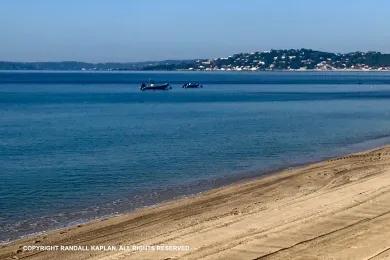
(366, 146)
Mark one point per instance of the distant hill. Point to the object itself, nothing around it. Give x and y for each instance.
(293, 59)
(301, 59)
(74, 65)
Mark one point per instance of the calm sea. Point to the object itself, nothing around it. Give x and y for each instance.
(76, 146)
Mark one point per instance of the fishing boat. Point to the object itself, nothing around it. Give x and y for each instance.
(154, 86)
(192, 85)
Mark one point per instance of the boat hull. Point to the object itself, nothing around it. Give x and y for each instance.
(145, 87)
(192, 85)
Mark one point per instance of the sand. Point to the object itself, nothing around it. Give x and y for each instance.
(335, 209)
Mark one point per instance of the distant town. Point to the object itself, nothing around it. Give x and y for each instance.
(274, 60)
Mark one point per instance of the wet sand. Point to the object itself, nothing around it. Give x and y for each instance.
(335, 209)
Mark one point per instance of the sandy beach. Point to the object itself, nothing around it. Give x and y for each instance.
(335, 209)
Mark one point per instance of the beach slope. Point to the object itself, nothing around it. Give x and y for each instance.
(335, 209)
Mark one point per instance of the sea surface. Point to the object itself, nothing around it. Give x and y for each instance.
(77, 146)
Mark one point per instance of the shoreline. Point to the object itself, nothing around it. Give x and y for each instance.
(216, 199)
(195, 189)
(196, 71)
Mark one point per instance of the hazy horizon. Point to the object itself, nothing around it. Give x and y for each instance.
(134, 31)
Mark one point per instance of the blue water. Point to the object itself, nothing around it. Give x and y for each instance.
(75, 146)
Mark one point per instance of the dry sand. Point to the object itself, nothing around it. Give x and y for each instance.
(336, 209)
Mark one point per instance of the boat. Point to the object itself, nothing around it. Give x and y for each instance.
(192, 85)
(153, 86)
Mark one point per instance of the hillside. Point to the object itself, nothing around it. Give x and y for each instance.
(294, 59)
(301, 59)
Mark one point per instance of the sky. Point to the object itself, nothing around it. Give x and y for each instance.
(142, 30)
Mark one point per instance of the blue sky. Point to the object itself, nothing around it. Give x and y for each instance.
(136, 30)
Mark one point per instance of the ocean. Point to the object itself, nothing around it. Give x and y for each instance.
(76, 146)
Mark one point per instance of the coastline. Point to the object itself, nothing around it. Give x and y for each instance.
(243, 218)
(194, 189)
(195, 71)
